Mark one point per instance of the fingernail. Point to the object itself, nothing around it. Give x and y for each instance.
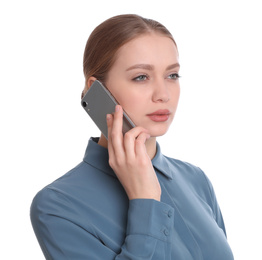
(117, 108)
(108, 117)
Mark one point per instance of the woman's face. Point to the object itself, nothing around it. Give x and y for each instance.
(144, 80)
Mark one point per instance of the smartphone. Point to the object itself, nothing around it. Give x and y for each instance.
(98, 102)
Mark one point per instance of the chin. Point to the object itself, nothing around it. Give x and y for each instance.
(158, 131)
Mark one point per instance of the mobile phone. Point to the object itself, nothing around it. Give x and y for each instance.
(98, 102)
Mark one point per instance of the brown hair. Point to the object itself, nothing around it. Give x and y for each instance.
(109, 36)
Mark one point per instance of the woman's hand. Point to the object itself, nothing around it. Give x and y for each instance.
(129, 159)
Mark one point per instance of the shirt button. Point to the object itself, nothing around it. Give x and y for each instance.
(170, 214)
(166, 232)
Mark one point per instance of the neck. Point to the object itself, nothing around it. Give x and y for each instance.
(150, 145)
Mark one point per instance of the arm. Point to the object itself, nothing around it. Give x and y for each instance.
(59, 234)
(147, 233)
(149, 221)
(215, 206)
(61, 237)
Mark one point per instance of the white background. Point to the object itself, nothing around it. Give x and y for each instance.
(44, 130)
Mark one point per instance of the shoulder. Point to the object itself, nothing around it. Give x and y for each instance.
(79, 190)
(48, 201)
(193, 176)
(188, 170)
(192, 180)
(60, 193)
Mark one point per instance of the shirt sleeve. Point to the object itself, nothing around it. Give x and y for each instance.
(215, 206)
(60, 237)
(148, 231)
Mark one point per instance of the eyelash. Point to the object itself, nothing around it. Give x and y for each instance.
(142, 77)
(175, 75)
(138, 78)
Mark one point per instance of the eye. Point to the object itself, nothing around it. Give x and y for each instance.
(174, 76)
(140, 78)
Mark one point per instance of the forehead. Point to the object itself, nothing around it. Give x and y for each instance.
(148, 48)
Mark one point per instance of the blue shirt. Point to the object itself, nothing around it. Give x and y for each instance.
(86, 214)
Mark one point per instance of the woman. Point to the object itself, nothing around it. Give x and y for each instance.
(126, 200)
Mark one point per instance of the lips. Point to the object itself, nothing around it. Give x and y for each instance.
(161, 115)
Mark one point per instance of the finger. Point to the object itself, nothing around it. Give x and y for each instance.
(118, 120)
(116, 134)
(109, 120)
(136, 131)
(130, 139)
(129, 145)
(140, 147)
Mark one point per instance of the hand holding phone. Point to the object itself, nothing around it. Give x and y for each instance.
(127, 154)
(98, 102)
(130, 161)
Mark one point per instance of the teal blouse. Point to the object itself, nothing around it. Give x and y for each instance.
(85, 214)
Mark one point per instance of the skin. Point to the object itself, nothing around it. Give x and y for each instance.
(144, 79)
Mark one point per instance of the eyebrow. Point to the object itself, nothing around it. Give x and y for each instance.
(151, 67)
(173, 66)
(141, 66)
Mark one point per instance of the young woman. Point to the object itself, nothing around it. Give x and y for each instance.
(126, 200)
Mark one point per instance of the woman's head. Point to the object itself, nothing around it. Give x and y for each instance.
(109, 36)
(137, 60)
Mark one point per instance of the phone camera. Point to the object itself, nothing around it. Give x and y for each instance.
(84, 104)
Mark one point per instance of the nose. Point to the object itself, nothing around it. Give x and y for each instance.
(161, 92)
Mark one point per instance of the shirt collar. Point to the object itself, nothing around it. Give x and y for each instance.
(162, 164)
(97, 156)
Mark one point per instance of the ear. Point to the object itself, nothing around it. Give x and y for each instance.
(89, 82)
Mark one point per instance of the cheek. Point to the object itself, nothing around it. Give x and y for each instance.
(175, 95)
(133, 106)
(131, 101)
